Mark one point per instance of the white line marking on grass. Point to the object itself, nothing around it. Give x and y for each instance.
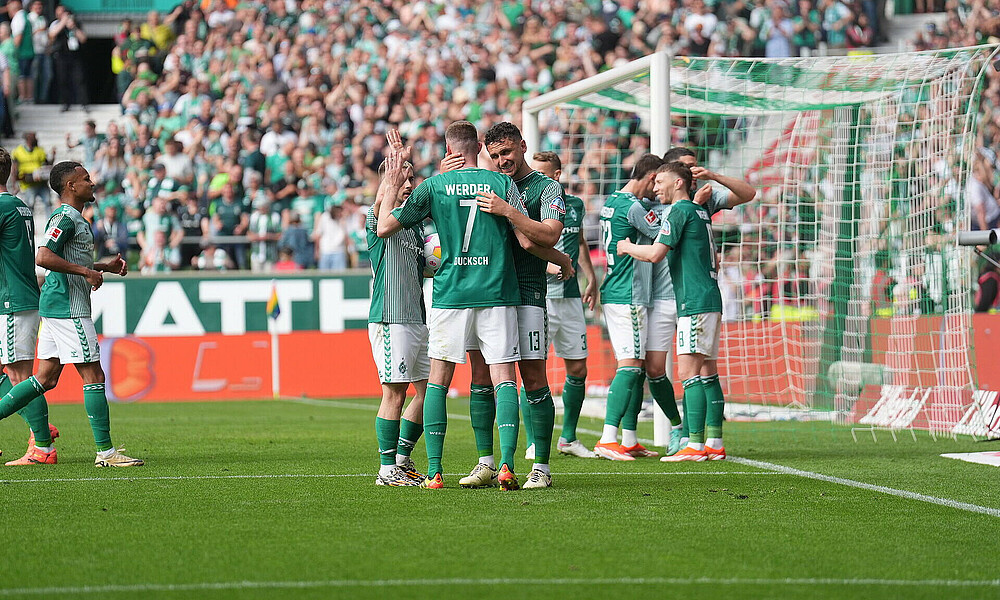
(337, 475)
(993, 512)
(975, 508)
(371, 583)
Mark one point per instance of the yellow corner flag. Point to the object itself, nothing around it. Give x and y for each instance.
(273, 310)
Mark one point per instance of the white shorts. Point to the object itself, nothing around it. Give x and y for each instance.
(533, 332)
(699, 334)
(567, 327)
(662, 326)
(20, 333)
(494, 330)
(627, 329)
(400, 351)
(72, 341)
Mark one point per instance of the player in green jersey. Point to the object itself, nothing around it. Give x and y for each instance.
(475, 288)
(67, 333)
(397, 330)
(542, 197)
(693, 269)
(19, 316)
(627, 214)
(564, 305)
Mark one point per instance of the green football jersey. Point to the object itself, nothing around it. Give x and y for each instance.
(543, 199)
(67, 296)
(569, 242)
(692, 258)
(397, 274)
(18, 286)
(477, 258)
(623, 217)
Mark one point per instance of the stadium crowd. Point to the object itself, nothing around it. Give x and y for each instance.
(254, 130)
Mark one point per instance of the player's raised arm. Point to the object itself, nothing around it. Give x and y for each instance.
(740, 192)
(392, 180)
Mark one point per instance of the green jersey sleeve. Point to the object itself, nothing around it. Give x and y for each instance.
(553, 204)
(645, 220)
(417, 207)
(515, 200)
(672, 229)
(58, 231)
(371, 223)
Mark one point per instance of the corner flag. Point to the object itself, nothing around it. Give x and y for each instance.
(273, 310)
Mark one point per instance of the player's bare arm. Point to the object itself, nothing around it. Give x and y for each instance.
(589, 295)
(48, 259)
(652, 253)
(550, 255)
(395, 176)
(543, 233)
(741, 192)
(116, 265)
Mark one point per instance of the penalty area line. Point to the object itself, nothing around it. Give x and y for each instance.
(447, 582)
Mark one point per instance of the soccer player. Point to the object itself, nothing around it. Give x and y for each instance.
(687, 231)
(475, 288)
(564, 306)
(542, 198)
(397, 331)
(67, 334)
(625, 293)
(724, 193)
(19, 314)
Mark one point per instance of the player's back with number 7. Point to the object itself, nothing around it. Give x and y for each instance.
(477, 260)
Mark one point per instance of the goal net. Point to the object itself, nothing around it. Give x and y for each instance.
(845, 294)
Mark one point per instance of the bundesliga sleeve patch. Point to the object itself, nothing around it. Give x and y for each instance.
(558, 204)
(665, 230)
(54, 233)
(651, 218)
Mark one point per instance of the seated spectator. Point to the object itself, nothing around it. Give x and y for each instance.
(212, 258)
(286, 260)
(160, 256)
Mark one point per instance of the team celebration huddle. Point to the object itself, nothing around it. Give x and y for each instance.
(506, 285)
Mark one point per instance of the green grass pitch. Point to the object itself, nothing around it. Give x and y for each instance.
(307, 521)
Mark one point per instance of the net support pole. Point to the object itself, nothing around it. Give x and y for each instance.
(529, 130)
(659, 143)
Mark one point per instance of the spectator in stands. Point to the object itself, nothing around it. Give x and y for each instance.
(110, 234)
(330, 236)
(160, 256)
(296, 238)
(42, 66)
(8, 78)
(90, 141)
(110, 162)
(21, 29)
(777, 32)
(67, 37)
(286, 260)
(229, 218)
(195, 224)
(212, 258)
(177, 165)
(980, 194)
(159, 220)
(264, 232)
(30, 163)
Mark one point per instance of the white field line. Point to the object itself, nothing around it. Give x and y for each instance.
(339, 475)
(974, 508)
(447, 582)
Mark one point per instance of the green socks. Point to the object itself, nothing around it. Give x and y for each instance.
(483, 411)
(620, 394)
(19, 396)
(542, 415)
(573, 394)
(716, 406)
(435, 425)
(96, 404)
(663, 392)
(35, 414)
(685, 431)
(630, 420)
(409, 433)
(507, 421)
(695, 408)
(387, 432)
(529, 437)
